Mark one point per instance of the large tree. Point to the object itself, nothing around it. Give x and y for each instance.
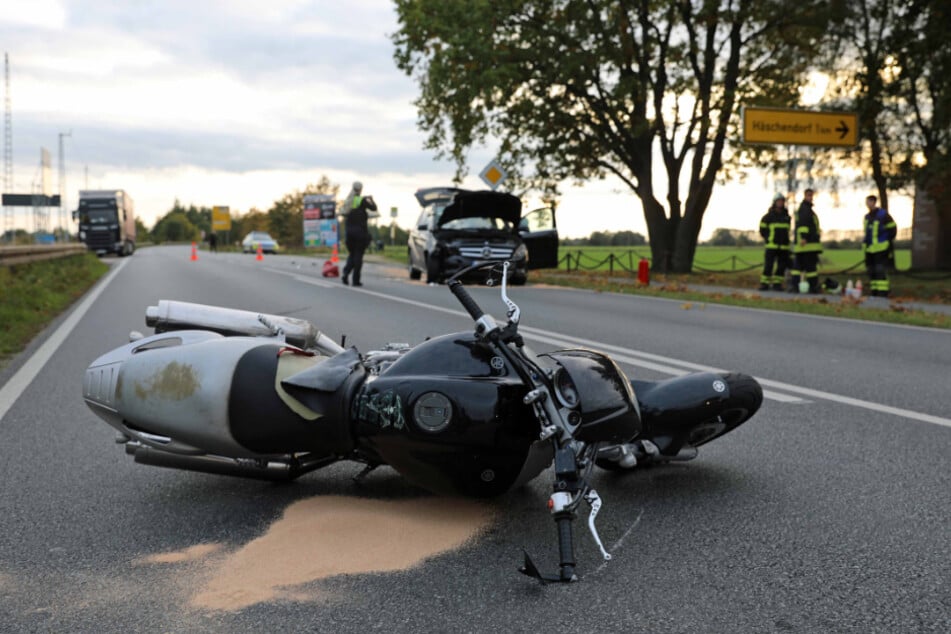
(892, 62)
(583, 89)
(923, 60)
(859, 53)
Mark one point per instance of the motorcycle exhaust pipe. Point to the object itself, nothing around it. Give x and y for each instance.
(171, 315)
(259, 469)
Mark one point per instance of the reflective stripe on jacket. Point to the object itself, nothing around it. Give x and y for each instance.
(807, 228)
(774, 227)
(880, 230)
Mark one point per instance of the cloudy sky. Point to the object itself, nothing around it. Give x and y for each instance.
(238, 102)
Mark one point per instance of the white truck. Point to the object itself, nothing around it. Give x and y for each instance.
(107, 221)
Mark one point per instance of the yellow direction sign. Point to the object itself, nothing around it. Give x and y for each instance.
(220, 219)
(800, 127)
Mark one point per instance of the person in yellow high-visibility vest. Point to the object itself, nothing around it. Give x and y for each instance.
(357, 210)
(878, 246)
(807, 246)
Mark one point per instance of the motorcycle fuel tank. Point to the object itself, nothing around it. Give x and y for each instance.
(449, 416)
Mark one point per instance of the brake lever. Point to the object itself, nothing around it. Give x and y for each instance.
(594, 501)
(513, 312)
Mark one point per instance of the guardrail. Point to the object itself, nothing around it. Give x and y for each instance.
(22, 254)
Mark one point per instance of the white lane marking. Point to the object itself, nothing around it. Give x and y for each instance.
(705, 303)
(645, 358)
(848, 400)
(10, 392)
(308, 280)
(624, 355)
(628, 356)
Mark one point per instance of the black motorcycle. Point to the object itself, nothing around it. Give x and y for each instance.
(474, 413)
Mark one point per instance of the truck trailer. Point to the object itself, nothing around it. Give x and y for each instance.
(107, 221)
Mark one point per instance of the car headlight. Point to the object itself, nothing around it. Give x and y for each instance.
(520, 253)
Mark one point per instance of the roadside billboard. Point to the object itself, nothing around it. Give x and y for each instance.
(320, 220)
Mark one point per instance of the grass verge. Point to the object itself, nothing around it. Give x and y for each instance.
(895, 313)
(32, 295)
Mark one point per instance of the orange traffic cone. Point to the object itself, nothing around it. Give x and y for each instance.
(333, 256)
(194, 252)
(260, 255)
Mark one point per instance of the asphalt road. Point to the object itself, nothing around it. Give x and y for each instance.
(828, 512)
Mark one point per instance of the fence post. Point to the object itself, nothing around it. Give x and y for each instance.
(611, 263)
(733, 258)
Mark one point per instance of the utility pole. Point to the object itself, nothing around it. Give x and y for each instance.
(63, 218)
(8, 218)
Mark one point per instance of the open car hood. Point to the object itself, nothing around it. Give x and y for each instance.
(473, 204)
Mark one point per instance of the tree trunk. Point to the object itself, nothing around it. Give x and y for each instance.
(931, 230)
(661, 232)
(685, 245)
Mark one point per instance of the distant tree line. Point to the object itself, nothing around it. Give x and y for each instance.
(608, 239)
(284, 220)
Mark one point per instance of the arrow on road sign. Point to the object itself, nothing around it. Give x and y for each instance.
(843, 129)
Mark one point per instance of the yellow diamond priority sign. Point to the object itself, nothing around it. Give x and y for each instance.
(493, 174)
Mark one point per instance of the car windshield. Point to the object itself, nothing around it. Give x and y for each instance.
(260, 235)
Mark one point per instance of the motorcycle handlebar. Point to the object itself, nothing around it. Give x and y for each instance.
(466, 300)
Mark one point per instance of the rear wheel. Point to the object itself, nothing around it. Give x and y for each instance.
(746, 396)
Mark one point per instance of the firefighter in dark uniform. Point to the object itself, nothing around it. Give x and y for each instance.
(878, 246)
(774, 227)
(807, 246)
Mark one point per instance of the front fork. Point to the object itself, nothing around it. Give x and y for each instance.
(570, 488)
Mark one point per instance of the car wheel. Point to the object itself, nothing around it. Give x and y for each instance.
(518, 279)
